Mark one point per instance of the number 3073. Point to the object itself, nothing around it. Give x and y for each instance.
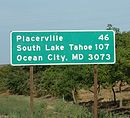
(99, 57)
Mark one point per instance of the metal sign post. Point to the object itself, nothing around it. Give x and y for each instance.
(95, 106)
(31, 91)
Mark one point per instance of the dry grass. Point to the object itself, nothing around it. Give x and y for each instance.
(104, 94)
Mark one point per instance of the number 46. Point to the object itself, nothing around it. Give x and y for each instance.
(102, 37)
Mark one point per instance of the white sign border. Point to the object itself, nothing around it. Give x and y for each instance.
(61, 31)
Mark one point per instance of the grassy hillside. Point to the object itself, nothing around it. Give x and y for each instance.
(18, 107)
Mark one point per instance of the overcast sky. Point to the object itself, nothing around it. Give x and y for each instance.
(59, 14)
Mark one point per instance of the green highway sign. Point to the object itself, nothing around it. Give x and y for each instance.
(62, 47)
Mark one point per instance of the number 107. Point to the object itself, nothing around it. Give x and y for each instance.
(101, 46)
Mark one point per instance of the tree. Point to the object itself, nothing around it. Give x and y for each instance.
(110, 27)
(118, 71)
(15, 80)
(62, 81)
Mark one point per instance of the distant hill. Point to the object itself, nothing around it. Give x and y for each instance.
(1, 65)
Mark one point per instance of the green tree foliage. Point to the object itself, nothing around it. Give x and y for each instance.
(119, 71)
(3, 72)
(15, 79)
(61, 80)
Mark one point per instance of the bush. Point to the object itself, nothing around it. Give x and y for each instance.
(14, 79)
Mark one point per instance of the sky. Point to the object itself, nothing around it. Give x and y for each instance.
(59, 15)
